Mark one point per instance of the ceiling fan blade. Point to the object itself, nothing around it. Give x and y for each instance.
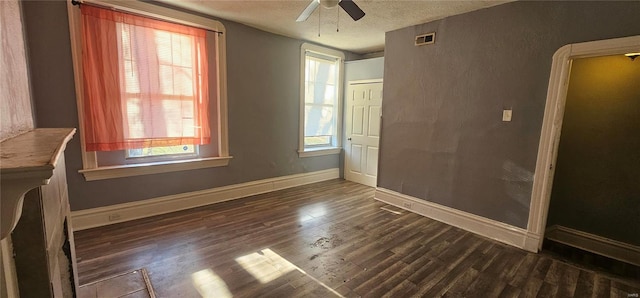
(308, 11)
(352, 9)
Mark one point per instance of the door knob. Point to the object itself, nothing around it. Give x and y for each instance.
(349, 139)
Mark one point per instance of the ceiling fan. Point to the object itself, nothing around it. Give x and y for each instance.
(348, 5)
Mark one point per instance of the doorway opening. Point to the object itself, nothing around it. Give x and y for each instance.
(362, 131)
(559, 112)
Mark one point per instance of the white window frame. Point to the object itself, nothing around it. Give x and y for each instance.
(329, 53)
(91, 170)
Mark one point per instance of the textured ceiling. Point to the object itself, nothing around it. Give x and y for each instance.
(363, 36)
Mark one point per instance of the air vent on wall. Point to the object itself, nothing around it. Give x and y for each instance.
(425, 39)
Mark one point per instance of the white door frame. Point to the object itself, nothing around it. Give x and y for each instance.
(552, 122)
(347, 123)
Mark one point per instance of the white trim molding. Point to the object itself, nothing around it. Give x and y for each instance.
(553, 116)
(8, 268)
(596, 244)
(489, 228)
(153, 168)
(102, 216)
(319, 151)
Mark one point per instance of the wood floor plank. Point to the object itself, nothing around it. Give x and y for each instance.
(485, 286)
(524, 269)
(541, 268)
(515, 260)
(437, 284)
(584, 284)
(368, 273)
(531, 287)
(601, 286)
(547, 290)
(404, 289)
(462, 283)
(510, 291)
(328, 239)
(623, 290)
(490, 254)
(346, 292)
(396, 282)
(568, 282)
(370, 287)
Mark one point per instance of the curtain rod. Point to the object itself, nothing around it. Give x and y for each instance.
(78, 3)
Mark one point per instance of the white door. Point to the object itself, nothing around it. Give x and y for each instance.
(364, 111)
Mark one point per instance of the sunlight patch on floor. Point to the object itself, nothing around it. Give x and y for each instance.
(210, 285)
(312, 212)
(265, 265)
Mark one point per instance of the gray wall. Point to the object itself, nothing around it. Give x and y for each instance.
(596, 187)
(263, 102)
(442, 135)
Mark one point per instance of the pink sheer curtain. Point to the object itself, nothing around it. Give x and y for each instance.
(145, 82)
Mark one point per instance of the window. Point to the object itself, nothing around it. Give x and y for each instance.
(148, 104)
(320, 104)
(171, 61)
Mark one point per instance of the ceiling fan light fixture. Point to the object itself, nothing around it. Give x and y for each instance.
(632, 56)
(329, 3)
(348, 6)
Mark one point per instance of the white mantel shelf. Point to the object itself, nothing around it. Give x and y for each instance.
(26, 162)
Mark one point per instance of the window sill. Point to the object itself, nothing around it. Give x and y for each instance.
(111, 172)
(309, 152)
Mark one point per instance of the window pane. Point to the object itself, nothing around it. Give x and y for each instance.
(183, 81)
(126, 41)
(329, 94)
(309, 92)
(321, 82)
(134, 119)
(318, 121)
(310, 70)
(161, 151)
(163, 46)
(166, 79)
(176, 114)
(317, 141)
(131, 83)
(332, 73)
(181, 47)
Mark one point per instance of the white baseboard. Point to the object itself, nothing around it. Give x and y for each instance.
(101, 216)
(596, 244)
(9, 278)
(489, 228)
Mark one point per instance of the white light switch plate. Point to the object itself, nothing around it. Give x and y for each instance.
(506, 115)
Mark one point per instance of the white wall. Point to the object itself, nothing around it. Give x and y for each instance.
(15, 98)
(363, 69)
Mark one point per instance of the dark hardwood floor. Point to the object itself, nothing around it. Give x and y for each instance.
(327, 239)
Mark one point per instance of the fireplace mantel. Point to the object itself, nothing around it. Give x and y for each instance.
(26, 162)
